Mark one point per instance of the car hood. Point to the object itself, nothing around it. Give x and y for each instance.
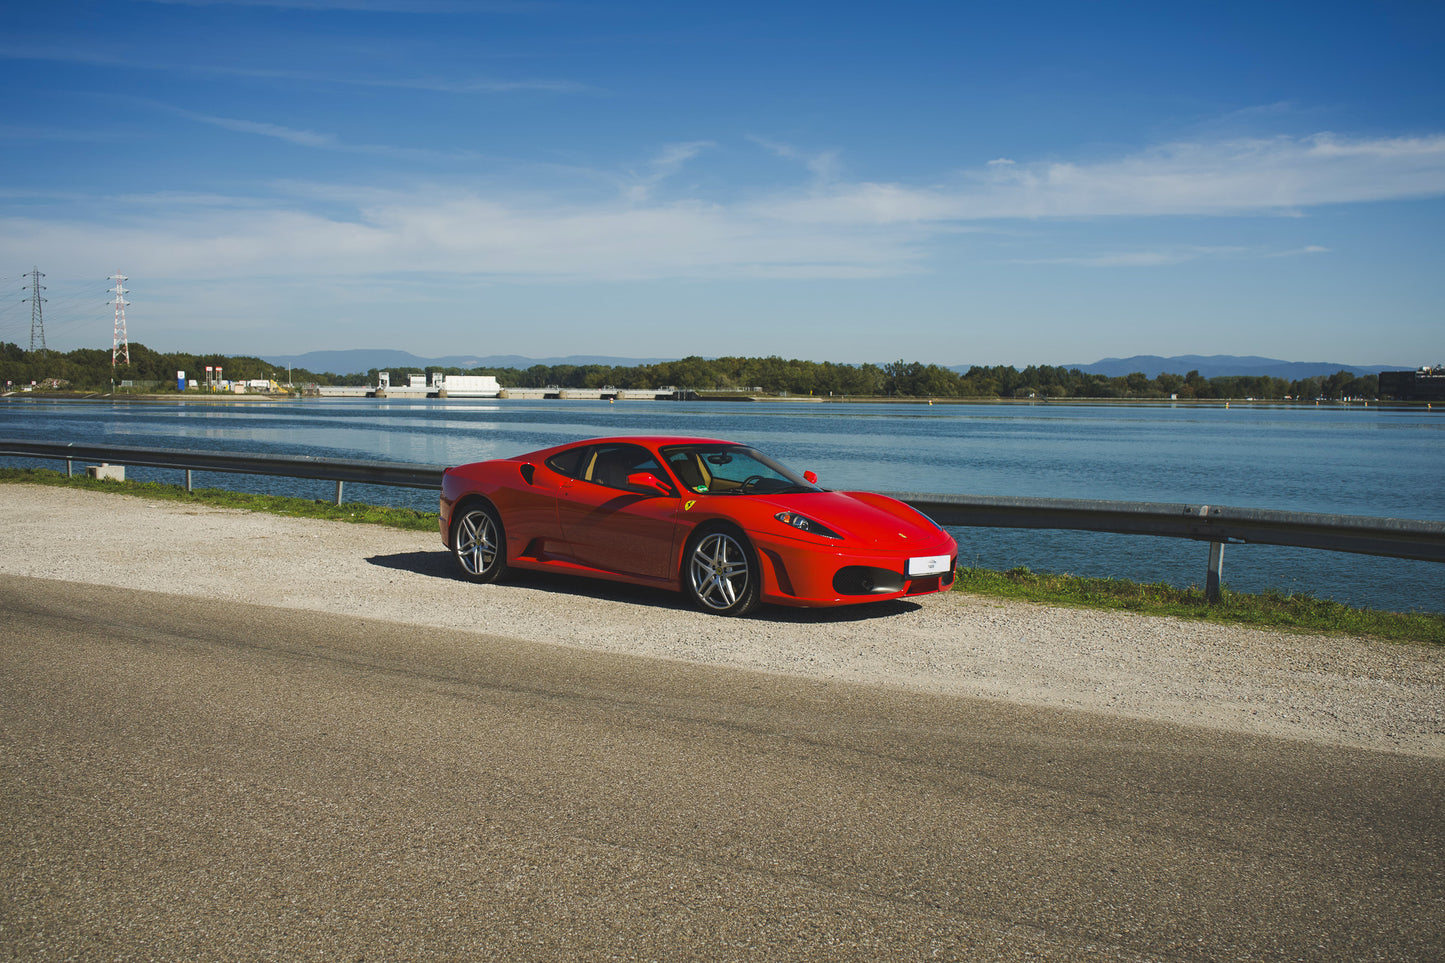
(866, 516)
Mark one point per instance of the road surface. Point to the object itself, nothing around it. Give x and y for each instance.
(196, 778)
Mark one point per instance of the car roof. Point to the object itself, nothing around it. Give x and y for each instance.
(650, 441)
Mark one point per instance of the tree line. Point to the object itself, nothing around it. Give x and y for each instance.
(90, 370)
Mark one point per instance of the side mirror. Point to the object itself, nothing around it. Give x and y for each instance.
(649, 481)
(810, 477)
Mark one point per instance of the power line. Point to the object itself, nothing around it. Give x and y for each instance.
(10, 319)
(78, 308)
(74, 310)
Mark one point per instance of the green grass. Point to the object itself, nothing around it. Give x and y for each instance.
(404, 518)
(1273, 610)
(1298, 612)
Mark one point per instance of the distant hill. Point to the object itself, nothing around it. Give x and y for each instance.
(1221, 365)
(362, 360)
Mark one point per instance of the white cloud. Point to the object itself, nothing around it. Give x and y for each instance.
(444, 85)
(310, 138)
(1153, 258)
(1170, 256)
(1302, 251)
(304, 138)
(824, 165)
(458, 234)
(664, 165)
(841, 230)
(1240, 177)
(468, 85)
(1118, 259)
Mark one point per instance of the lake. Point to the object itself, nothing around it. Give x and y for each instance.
(1353, 460)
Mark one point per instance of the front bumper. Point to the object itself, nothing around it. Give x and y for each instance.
(810, 574)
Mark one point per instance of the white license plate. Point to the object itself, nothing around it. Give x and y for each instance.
(928, 565)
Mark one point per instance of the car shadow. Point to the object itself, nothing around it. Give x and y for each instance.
(440, 565)
(436, 564)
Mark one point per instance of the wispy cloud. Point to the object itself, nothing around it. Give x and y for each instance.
(1268, 176)
(663, 166)
(1306, 251)
(455, 232)
(824, 165)
(435, 84)
(1120, 259)
(11, 133)
(303, 138)
(416, 7)
(1150, 258)
(844, 230)
(473, 86)
(308, 138)
(442, 85)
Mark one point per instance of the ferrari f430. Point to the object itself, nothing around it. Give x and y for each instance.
(717, 520)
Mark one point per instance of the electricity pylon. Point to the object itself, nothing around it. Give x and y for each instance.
(37, 320)
(119, 344)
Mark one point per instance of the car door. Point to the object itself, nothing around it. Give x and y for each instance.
(617, 527)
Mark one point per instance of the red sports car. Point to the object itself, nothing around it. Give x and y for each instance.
(717, 520)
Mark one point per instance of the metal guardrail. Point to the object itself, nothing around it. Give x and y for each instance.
(397, 474)
(1219, 525)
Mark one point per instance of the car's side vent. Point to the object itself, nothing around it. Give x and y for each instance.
(528, 470)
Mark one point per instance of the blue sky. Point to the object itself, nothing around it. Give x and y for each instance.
(949, 182)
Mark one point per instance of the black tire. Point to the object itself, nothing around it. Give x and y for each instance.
(720, 572)
(479, 544)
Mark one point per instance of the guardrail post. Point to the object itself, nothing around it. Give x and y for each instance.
(1215, 575)
(188, 481)
(339, 483)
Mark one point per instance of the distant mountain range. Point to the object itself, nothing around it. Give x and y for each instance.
(361, 360)
(1223, 365)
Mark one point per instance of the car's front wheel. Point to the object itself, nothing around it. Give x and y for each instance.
(722, 577)
(478, 544)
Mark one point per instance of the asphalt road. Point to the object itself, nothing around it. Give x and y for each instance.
(190, 779)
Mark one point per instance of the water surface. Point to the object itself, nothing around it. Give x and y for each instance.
(1349, 460)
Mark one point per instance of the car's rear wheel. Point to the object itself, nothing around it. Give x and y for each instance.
(722, 576)
(478, 544)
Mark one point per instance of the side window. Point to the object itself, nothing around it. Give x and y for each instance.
(611, 464)
(686, 465)
(569, 462)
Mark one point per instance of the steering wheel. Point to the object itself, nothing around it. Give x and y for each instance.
(749, 481)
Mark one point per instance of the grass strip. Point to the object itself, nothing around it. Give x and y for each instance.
(404, 518)
(1300, 612)
(1295, 611)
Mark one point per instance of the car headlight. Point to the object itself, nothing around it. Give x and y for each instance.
(805, 524)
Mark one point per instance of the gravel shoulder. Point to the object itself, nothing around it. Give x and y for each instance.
(1335, 691)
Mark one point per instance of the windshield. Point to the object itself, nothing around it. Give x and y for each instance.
(731, 470)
